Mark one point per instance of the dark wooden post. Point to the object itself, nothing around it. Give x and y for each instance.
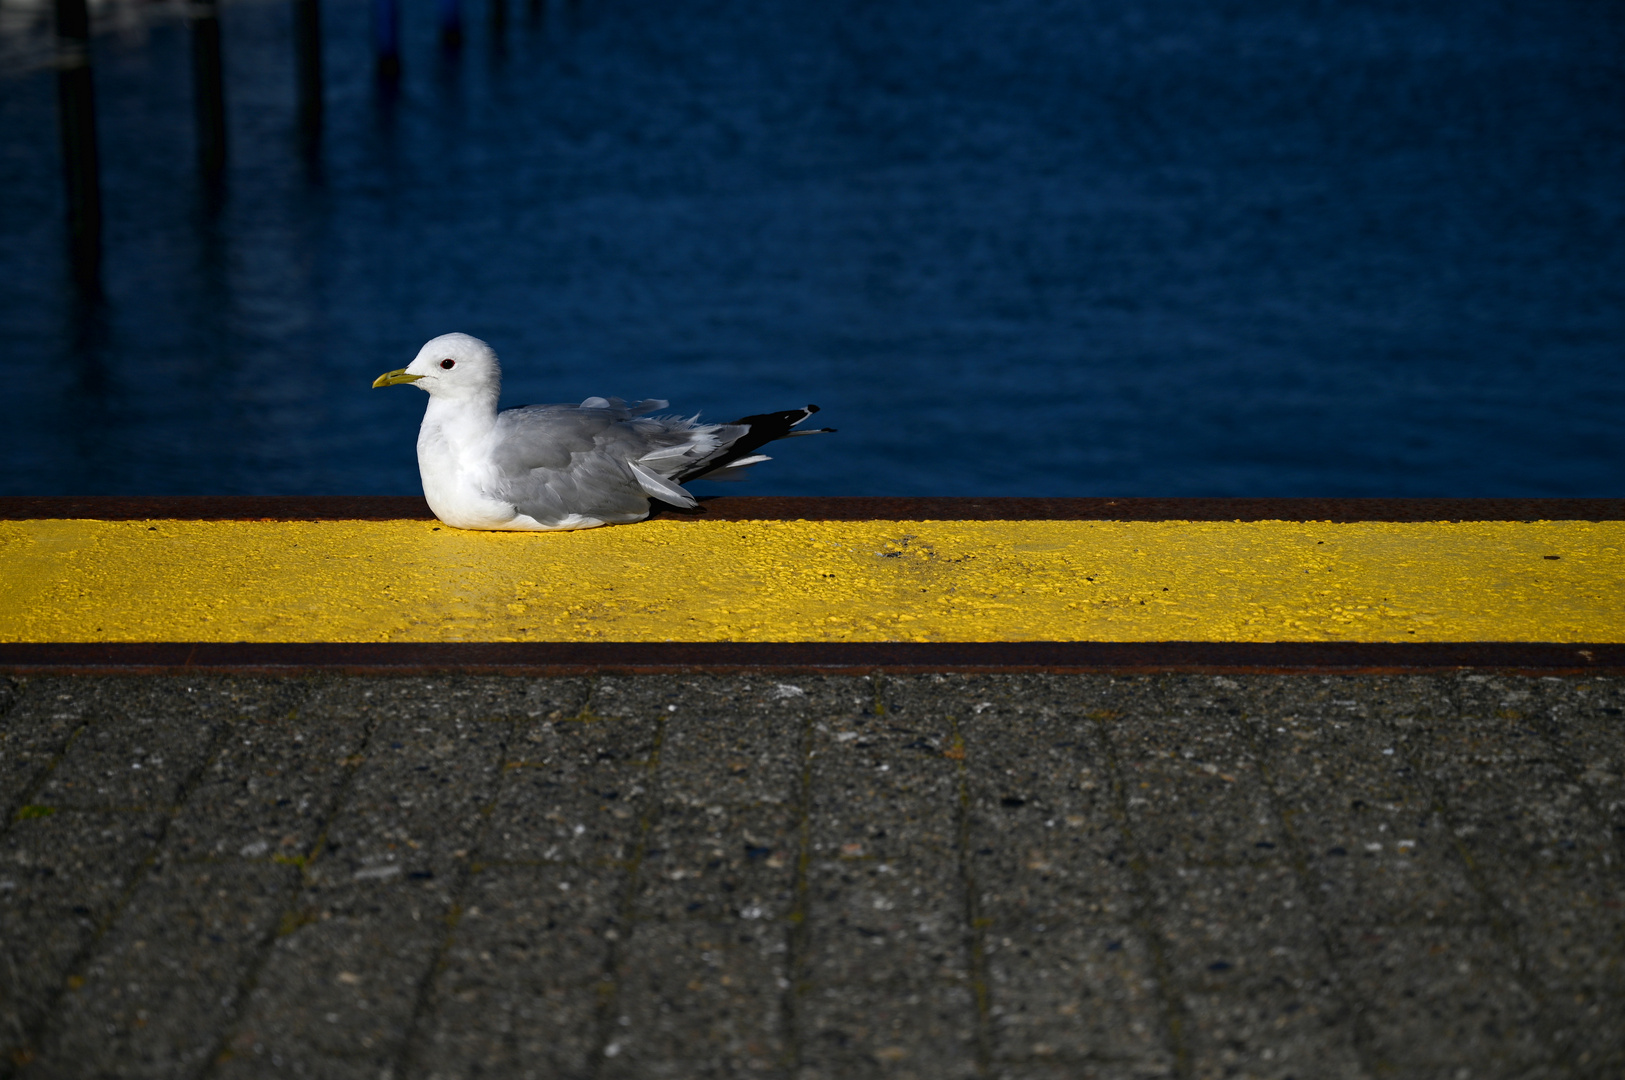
(76, 116)
(499, 22)
(209, 88)
(386, 38)
(307, 37)
(451, 23)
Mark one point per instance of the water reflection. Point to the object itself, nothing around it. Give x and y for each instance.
(1020, 247)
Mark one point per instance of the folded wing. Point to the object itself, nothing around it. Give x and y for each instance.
(606, 459)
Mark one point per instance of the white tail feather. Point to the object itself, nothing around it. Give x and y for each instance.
(680, 450)
(660, 487)
(736, 470)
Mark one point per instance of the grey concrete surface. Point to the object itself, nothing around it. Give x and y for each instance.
(809, 876)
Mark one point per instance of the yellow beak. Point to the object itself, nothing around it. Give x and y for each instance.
(394, 378)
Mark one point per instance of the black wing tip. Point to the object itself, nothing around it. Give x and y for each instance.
(812, 409)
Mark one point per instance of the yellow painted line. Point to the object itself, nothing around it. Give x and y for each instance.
(675, 580)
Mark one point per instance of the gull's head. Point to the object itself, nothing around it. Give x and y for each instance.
(451, 366)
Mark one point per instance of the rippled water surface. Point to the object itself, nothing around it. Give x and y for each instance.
(1171, 247)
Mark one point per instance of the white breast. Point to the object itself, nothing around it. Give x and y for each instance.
(449, 458)
(454, 462)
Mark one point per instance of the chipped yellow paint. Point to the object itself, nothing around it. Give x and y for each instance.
(813, 581)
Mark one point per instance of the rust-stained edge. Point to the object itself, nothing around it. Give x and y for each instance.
(857, 508)
(557, 658)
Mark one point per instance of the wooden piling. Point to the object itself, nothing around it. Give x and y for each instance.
(208, 89)
(76, 115)
(307, 37)
(451, 23)
(386, 39)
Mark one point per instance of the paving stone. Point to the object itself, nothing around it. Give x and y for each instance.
(1547, 859)
(1224, 923)
(62, 876)
(415, 806)
(718, 751)
(1243, 952)
(973, 901)
(700, 998)
(1075, 993)
(1044, 840)
(1439, 999)
(888, 989)
(1376, 848)
(337, 995)
(452, 697)
(1585, 721)
(727, 837)
(157, 997)
(166, 696)
(555, 698)
(33, 731)
(339, 991)
(271, 788)
(705, 865)
(930, 698)
(138, 748)
(882, 787)
(574, 791)
(1042, 1068)
(140, 763)
(965, 696)
(143, 738)
(1070, 973)
(519, 989)
(726, 698)
(1514, 800)
(1258, 994)
(1190, 778)
(701, 984)
(886, 986)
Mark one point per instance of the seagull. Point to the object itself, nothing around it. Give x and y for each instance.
(554, 467)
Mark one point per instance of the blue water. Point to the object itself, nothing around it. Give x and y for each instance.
(1169, 247)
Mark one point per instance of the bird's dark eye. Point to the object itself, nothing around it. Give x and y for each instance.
(448, 363)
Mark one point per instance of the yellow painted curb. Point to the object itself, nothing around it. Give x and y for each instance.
(805, 581)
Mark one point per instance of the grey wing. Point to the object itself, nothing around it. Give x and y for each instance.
(598, 459)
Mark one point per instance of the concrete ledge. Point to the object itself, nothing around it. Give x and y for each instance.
(832, 581)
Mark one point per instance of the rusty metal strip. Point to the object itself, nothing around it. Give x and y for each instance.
(552, 658)
(215, 507)
(779, 508)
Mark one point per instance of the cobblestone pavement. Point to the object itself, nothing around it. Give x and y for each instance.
(697, 876)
